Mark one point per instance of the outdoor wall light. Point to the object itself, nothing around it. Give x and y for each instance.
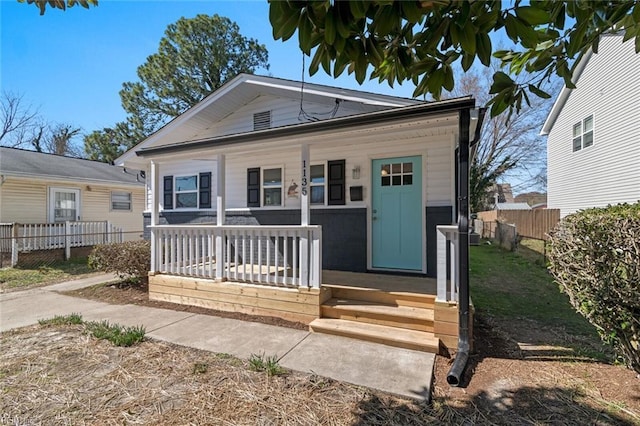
(355, 172)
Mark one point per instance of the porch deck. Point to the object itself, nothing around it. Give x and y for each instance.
(383, 282)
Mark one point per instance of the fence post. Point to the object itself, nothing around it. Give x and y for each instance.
(108, 230)
(67, 240)
(14, 244)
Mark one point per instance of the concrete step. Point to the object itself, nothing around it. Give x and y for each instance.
(408, 317)
(396, 298)
(391, 336)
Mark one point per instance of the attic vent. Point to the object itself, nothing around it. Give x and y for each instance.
(262, 120)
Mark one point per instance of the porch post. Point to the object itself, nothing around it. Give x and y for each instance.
(155, 187)
(305, 176)
(220, 190)
(220, 214)
(305, 260)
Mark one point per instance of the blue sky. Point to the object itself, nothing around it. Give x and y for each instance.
(71, 65)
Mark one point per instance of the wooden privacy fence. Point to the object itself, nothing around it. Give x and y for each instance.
(18, 238)
(529, 223)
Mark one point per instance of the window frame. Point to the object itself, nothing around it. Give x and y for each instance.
(323, 184)
(263, 169)
(113, 209)
(194, 191)
(583, 133)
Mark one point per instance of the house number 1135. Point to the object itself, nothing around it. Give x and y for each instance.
(304, 183)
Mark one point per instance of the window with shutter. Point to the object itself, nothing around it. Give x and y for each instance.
(336, 182)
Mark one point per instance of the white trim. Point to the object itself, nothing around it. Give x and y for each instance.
(324, 185)
(582, 133)
(191, 191)
(77, 181)
(51, 200)
(564, 95)
(282, 193)
(286, 86)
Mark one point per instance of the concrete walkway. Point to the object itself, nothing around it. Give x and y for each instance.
(398, 371)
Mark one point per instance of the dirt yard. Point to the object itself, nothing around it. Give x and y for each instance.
(518, 374)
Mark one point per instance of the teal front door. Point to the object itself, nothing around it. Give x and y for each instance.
(396, 214)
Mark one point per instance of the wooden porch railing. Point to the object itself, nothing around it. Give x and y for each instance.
(448, 276)
(280, 255)
(26, 237)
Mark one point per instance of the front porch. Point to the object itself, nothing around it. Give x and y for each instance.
(276, 271)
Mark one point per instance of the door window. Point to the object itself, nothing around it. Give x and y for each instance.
(65, 205)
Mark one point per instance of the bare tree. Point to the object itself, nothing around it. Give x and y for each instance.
(509, 146)
(56, 139)
(17, 120)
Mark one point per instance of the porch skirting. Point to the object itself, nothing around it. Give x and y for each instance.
(291, 304)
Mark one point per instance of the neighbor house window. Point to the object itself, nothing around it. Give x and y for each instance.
(121, 201)
(272, 187)
(583, 134)
(317, 184)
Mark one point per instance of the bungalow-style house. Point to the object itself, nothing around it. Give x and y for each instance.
(315, 204)
(43, 193)
(594, 131)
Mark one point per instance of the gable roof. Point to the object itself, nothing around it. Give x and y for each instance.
(243, 89)
(561, 100)
(23, 163)
(376, 117)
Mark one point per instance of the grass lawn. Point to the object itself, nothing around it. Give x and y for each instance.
(13, 278)
(506, 285)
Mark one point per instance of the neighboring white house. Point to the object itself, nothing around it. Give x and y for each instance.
(593, 145)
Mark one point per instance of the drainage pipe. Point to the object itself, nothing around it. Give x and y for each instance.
(464, 144)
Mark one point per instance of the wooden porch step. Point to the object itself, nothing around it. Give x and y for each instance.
(408, 317)
(391, 336)
(397, 298)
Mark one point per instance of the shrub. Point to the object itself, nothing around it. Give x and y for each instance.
(595, 257)
(130, 260)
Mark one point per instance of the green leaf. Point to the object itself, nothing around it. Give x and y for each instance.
(538, 92)
(483, 48)
(317, 59)
(358, 9)
(330, 27)
(467, 60)
(287, 27)
(501, 81)
(448, 82)
(532, 15)
(468, 38)
(411, 11)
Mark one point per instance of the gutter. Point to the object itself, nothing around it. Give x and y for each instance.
(462, 355)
